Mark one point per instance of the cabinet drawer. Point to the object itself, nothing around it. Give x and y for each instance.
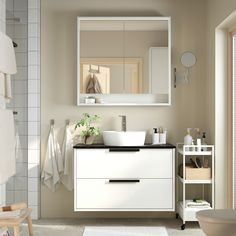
(102, 163)
(145, 195)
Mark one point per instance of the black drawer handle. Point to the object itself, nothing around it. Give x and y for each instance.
(124, 149)
(124, 180)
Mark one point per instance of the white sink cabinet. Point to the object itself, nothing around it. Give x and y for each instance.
(124, 178)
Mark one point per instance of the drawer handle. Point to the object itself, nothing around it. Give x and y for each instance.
(124, 180)
(125, 149)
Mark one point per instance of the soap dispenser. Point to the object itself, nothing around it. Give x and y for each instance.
(188, 139)
(155, 136)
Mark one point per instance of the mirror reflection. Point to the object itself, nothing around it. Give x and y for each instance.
(124, 57)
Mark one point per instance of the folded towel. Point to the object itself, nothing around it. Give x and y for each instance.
(200, 204)
(7, 145)
(9, 214)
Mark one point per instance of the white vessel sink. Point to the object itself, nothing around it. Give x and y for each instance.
(121, 138)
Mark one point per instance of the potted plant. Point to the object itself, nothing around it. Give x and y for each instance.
(89, 130)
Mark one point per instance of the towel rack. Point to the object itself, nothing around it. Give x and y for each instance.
(67, 122)
(52, 122)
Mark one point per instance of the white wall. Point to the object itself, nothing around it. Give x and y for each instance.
(58, 74)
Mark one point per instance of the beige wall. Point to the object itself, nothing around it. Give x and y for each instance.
(58, 73)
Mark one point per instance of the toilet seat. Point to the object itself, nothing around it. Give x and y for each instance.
(224, 216)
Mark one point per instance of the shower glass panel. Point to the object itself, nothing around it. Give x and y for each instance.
(17, 29)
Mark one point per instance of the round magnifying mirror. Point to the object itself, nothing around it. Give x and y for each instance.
(188, 59)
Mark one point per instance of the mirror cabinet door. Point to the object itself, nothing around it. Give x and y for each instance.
(124, 60)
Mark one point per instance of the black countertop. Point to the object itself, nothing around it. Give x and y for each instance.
(102, 146)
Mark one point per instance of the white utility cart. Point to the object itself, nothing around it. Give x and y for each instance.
(184, 153)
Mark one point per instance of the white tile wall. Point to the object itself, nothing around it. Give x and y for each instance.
(3, 15)
(2, 28)
(34, 106)
(17, 186)
(25, 186)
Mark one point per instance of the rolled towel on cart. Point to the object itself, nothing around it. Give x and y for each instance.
(198, 204)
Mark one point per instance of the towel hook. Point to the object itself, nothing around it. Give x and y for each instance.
(52, 121)
(67, 122)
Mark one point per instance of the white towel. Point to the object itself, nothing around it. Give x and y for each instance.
(18, 151)
(3, 231)
(7, 59)
(67, 156)
(202, 204)
(7, 145)
(8, 93)
(9, 214)
(53, 165)
(2, 91)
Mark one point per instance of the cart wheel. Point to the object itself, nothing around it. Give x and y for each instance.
(176, 216)
(183, 227)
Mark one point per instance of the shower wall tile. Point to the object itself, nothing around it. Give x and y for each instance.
(33, 142)
(33, 44)
(2, 16)
(22, 45)
(21, 196)
(3, 29)
(34, 114)
(20, 86)
(22, 59)
(20, 5)
(33, 30)
(34, 156)
(34, 128)
(33, 184)
(21, 170)
(22, 73)
(9, 4)
(33, 100)
(17, 30)
(33, 72)
(34, 106)
(33, 4)
(33, 170)
(33, 86)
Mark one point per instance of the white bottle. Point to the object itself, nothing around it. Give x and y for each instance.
(163, 137)
(188, 139)
(198, 140)
(155, 137)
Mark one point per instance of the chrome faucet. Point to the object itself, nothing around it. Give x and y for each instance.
(123, 123)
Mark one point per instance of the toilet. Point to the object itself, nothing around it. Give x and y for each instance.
(217, 222)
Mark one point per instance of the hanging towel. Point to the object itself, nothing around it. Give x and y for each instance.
(53, 165)
(93, 85)
(7, 59)
(7, 145)
(18, 150)
(67, 156)
(8, 93)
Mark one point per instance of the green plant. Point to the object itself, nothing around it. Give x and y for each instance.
(87, 123)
